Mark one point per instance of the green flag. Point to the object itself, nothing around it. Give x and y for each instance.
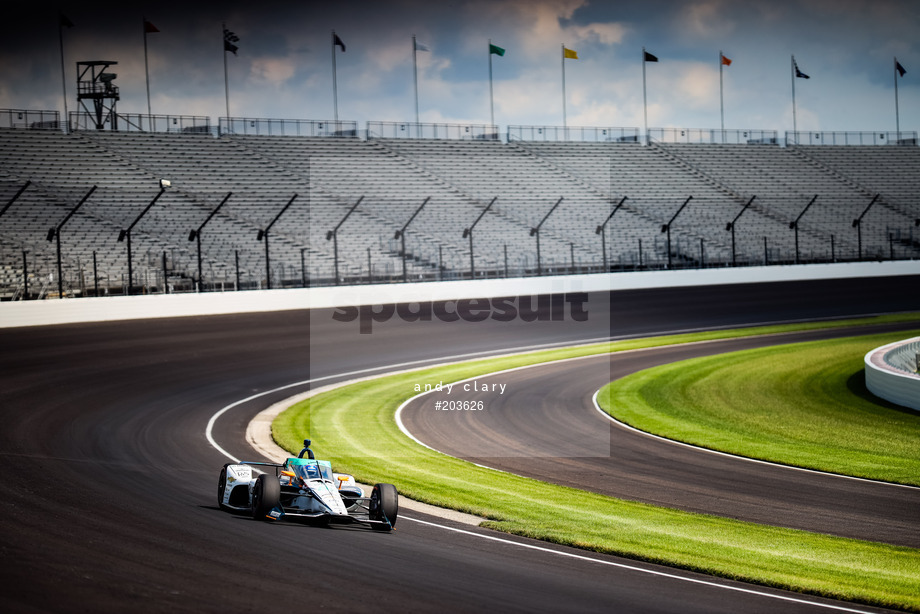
(495, 49)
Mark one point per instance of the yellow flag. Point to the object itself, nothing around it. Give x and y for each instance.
(570, 54)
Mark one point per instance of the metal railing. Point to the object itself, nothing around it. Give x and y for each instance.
(573, 133)
(704, 136)
(33, 120)
(851, 138)
(137, 122)
(287, 127)
(411, 130)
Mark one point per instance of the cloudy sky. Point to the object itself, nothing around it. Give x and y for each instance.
(284, 65)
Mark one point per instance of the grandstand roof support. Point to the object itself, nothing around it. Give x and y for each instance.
(731, 226)
(127, 234)
(536, 231)
(401, 235)
(334, 235)
(195, 235)
(602, 231)
(264, 233)
(55, 233)
(795, 226)
(468, 232)
(667, 227)
(857, 224)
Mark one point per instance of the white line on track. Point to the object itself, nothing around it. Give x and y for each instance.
(653, 572)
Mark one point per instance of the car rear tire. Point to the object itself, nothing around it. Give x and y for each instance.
(266, 494)
(384, 506)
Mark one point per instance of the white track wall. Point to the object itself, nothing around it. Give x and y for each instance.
(890, 383)
(68, 311)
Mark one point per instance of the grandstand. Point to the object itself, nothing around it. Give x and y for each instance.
(456, 175)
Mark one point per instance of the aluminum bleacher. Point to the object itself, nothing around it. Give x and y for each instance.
(456, 179)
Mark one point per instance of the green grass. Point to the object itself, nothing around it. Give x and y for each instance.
(803, 404)
(354, 427)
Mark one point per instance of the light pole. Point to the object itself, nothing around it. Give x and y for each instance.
(264, 234)
(602, 230)
(401, 235)
(127, 234)
(55, 233)
(795, 226)
(667, 227)
(857, 224)
(536, 231)
(15, 197)
(195, 235)
(731, 226)
(468, 232)
(333, 234)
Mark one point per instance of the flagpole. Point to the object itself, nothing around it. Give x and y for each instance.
(491, 99)
(722, 93)
(415, 73)
(564, 119)
(147, 73)
(63, 77)
(335, 94)
(644, 97)
(795, 127)
(226, 81)
(897, 113)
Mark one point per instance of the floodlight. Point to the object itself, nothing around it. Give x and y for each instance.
(192, 234)
(260, 235)
(121, 235)
(165, 183)
(107, 77)
(51, 232)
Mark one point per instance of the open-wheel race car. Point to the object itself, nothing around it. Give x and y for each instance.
(304, 489)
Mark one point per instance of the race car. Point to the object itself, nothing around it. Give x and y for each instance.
(304, 489)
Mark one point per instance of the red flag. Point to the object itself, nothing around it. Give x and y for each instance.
(149, 27)
(726, 61)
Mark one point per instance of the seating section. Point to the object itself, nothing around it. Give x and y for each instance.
(551, 194)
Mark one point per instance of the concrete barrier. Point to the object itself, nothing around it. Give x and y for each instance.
(890, 382)
(68, 311)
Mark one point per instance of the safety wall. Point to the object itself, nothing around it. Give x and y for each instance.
(68, 311)
(888, 375)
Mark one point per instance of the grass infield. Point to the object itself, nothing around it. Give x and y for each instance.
(353, 426)
(803, 404)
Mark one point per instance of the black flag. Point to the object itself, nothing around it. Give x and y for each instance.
(338, 41)
(649, 57)
(229, 39)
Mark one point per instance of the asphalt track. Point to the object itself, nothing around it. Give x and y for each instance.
(107, 482)
(539, 421)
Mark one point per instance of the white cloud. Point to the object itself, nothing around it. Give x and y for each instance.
(272, 70)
